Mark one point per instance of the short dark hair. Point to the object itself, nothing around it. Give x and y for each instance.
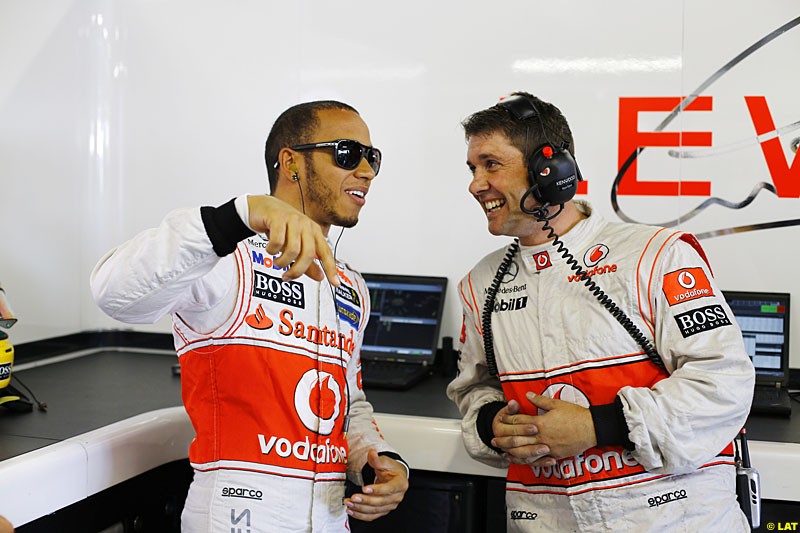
(294, 126)
(549, 125)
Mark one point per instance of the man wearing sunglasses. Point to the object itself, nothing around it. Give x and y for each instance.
(268, 325)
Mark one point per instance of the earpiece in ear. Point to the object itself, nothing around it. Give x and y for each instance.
(293, 168)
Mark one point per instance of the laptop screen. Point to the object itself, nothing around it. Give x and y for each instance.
(763, 318)
(406, 317)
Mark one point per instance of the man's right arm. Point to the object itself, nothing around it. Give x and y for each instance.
(185, 266)
(168, 269)
(476, 392)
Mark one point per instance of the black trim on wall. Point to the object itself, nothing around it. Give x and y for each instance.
(32, 351)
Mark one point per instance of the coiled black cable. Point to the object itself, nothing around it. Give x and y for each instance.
(601, 296)
(543, 216)
(488, 306)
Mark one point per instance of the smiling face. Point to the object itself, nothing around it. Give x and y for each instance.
(499, 180)
(335, 196)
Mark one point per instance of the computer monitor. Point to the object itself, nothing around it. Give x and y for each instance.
(405, 319)
(763, 318)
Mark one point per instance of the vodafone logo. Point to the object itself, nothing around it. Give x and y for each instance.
(567, 393)
(686, 280)
(595, 254)
(685, 285)
(317, 399)
(542, 260)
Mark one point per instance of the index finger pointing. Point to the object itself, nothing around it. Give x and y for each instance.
(327, 261)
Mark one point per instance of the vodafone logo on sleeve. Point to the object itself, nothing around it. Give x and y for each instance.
(685, 285)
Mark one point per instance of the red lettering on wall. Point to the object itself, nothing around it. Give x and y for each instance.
(630, 138)
(785, 177)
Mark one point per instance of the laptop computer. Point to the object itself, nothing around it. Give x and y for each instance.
(763, 318)
(402, 334)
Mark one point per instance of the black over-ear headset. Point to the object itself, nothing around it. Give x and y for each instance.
(552, 171)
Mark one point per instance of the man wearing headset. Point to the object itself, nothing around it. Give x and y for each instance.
(269, 356)
(604, 425)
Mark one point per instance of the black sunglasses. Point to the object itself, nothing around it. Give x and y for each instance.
(348, 153)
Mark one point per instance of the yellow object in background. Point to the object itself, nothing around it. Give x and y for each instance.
(6, 360)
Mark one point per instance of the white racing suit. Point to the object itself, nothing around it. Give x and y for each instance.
(270, 370)
(553, 337)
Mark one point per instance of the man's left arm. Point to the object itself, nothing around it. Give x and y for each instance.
(371, 463)
(685, 420)
(385, 484)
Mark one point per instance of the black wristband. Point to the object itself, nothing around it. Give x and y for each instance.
(368, 473)
(610, 426)
(484, 421)
(224, 227)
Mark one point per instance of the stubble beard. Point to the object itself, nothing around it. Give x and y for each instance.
(324, 199)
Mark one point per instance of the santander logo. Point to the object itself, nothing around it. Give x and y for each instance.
(259, 319)
(317, 399)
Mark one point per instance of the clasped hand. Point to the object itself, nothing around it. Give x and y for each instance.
(564, 429)
(384, 495)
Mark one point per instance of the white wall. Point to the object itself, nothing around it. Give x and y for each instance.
(112, 113)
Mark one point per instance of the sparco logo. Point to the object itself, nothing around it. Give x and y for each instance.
(703, 319)
(286, 292)
(655, 501)
(523, 515)
(238, 492)
(511, 304)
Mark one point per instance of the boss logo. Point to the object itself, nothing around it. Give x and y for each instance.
(702, 319)
(237, 492)
(5, 371)
(523, 515)
(271, 288)
(655, 501)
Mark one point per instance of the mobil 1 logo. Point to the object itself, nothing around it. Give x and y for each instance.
(702, 319)
(271, 288)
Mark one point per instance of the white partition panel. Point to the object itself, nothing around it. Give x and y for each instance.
(112, 113)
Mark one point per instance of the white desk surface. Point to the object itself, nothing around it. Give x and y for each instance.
(55, 476)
